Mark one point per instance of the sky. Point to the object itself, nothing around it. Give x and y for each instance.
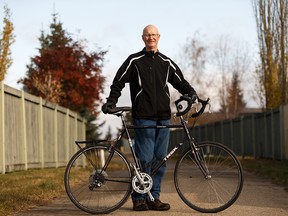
(116, 26)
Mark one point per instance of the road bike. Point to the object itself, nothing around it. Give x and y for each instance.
(208, 176)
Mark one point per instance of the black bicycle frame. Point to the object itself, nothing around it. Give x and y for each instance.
(183, 125)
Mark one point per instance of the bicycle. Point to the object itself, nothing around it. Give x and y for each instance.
(208, 177)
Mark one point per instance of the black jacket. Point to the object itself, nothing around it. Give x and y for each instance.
(148, 74)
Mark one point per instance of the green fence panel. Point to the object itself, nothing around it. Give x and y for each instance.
(258, 135)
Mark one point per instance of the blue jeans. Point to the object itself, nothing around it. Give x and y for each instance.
(151, 147)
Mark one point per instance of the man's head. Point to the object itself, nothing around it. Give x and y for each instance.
(151, 37)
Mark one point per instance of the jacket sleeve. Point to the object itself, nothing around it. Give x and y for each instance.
(119, 81)
(177, 80)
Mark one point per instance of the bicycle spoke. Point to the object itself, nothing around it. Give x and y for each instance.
(98, 190)
(216, 190)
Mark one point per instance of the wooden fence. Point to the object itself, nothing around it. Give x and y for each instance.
(35, 133)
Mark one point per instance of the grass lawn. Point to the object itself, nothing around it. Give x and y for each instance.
(25, 189)
(276, 171)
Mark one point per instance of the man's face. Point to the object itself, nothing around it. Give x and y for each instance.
(151, 37)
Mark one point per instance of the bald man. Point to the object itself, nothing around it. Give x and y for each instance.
(148, 72)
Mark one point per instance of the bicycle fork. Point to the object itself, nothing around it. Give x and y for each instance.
(200, 162)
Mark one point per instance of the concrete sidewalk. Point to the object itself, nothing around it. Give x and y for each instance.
(258, 197)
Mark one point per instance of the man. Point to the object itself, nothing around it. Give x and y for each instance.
(148, 73)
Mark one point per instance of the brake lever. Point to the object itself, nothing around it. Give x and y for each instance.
(209, 109)
(196, 102)
(204, 104)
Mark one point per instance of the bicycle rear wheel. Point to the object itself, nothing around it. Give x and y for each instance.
(98, 180)
(216, 191)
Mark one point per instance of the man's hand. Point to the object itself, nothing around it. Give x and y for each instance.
(107, 106)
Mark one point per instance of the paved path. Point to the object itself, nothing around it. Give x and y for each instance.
(258, 197)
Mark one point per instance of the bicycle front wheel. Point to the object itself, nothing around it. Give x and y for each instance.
(217, 186)
(98, 180)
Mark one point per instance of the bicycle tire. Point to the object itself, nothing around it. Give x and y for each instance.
(220, 190)
(93, 189)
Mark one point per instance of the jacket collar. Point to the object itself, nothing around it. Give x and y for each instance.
(150, 53)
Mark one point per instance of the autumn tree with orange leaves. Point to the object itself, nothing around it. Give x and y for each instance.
(6, 40)
(64, 73)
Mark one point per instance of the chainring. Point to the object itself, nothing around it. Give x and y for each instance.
(147, 183)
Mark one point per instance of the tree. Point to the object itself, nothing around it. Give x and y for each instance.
(271, 19)
(6, 39)
(194, 63)
(233, 62)
(235, 101)
(221, 57)
(195, 52)
(228, 62)
(92, 132)
(65, 73)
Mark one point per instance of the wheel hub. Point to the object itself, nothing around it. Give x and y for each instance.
(97, 179)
